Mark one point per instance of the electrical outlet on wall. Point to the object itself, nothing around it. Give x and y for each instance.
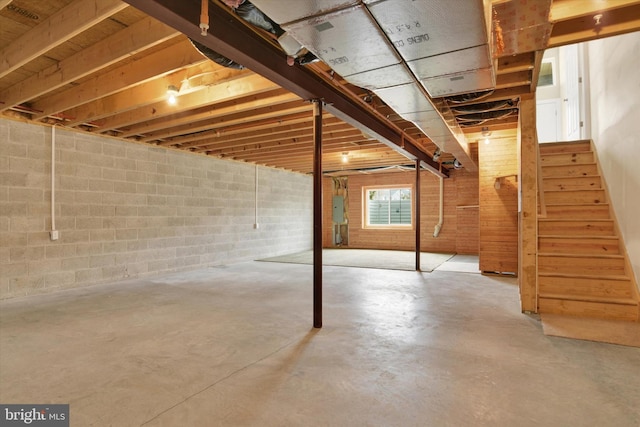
(54, 234)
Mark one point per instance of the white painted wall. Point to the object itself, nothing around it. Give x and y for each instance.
(615, 128)
(549, 108)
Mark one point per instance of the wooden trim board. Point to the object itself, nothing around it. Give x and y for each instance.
(591, 329)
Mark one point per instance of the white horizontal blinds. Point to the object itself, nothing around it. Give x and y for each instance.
(389, 206)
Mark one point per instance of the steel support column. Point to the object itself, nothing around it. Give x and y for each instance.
(317, 213)
(417, 213)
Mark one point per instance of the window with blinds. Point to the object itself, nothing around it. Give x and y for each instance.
(388, 206)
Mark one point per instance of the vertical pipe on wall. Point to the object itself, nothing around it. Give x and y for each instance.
(317, 213)
(53, 178)
(438, 227)
(417, 210)
(256, 223)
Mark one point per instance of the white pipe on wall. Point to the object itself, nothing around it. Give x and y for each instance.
(53, 180)
(255, 223)
(438, 226)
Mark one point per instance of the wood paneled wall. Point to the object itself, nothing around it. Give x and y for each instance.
(498, 169)
(467, 213)
(459, 232)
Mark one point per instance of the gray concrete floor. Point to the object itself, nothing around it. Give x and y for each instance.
(233, 346)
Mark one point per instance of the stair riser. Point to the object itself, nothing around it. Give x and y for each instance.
(575, 183)
(588, 309)
(575, 228)
(566, 159)
(579, 246)
(569, 170)
(578, 212)
(574, 197)
(568, 147)
(577, 286)
(575, 265)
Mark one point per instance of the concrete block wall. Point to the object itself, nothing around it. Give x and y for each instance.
(127, 210)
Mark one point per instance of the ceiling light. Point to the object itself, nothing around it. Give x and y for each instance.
(345, 157)
(436, 155)
(172, 93)
(486, 133)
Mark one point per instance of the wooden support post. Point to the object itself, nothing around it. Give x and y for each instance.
(417, 213)
(317, 213)
(528, 215)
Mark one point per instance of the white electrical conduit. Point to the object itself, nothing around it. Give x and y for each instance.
(53, 178)
(438, 226)
(255, 223)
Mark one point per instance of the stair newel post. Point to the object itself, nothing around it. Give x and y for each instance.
(528, 206)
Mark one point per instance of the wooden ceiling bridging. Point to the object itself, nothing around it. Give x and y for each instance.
(103, 66)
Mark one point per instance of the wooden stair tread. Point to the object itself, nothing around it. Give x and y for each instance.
(596, 220)
(586, 298)
(554, 144)
(621, 277)
(555, 153)
(570, 255)
(571, 177)
(575, 189)
(568, 236)
(591, 205)
(567, 164)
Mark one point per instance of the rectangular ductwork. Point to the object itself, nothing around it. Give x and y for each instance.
(346, 40)
(406, 52)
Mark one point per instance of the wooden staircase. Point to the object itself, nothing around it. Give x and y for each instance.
(583, 269)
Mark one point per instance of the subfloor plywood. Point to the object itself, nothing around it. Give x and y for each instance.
(589, 329)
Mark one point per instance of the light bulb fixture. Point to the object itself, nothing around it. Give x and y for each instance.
(486, 133)
(436, 155)
(172, 93)
(345, 157)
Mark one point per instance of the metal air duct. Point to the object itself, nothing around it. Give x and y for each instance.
(406, 52)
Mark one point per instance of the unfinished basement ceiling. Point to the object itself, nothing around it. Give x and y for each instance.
(104, 67)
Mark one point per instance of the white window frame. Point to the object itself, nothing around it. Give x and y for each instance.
(366, 201)
(554, 72)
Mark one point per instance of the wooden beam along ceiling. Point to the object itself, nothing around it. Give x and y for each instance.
(55, 30)
(208, 95)
(137, 37)
(381, 155)
(163, 61)
(584, 28)
(283, 144)
(243, 118)
(148, 92)
(272, 134)
(181, 122)
(267, 121)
